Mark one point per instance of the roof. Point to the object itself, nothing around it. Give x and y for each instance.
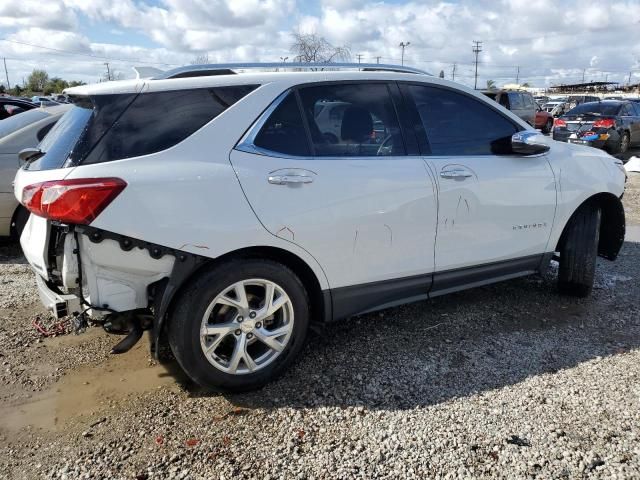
(248, 74)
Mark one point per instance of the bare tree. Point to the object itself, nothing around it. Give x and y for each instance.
(201, 59)
(312, 48)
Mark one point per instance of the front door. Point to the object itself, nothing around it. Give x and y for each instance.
(494, 207)
(342, 188)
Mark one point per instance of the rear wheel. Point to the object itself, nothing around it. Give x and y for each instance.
(579, 251)
(547, 126)
(623, 144)
(240, 325)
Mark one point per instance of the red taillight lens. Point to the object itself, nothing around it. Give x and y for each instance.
(77, 201)
(558, 122)
(605, 123)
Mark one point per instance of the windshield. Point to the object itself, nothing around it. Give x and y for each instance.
(61, 139)
(15, 123)
(596, 108)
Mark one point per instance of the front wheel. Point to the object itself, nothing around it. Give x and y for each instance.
(579, 251)
(240, 325)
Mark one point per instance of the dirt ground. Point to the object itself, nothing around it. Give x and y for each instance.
(510, 380)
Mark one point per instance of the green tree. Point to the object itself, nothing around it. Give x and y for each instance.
(17, 90)
(37, 81)
(491, 84)
(2, 89)
(55, 85)
(76, 83)
(526, 85)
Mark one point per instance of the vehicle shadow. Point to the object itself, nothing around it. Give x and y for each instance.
(460, 345)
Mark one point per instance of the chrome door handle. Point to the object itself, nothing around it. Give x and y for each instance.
(456, 173)
(289, 179)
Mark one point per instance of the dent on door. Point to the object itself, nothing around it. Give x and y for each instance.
(461, 211)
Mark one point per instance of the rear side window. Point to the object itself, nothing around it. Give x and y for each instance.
(515, 99)
(284, 131)
(356, 120)
(155, 121)
(457, 124)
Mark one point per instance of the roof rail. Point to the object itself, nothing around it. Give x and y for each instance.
(230, 68)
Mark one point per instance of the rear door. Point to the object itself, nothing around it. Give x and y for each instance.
(495, 209)
(363, 207)
(631, 121)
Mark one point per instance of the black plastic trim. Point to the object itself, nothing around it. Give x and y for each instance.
(369, 297)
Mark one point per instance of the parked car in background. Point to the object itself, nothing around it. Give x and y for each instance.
(575, 100)
(555, 107)
(215, 213)
(43, 101)
(541, 99)
(544, 120)
(12, 106)
(16, 133)
(613, 125)
(520, 102)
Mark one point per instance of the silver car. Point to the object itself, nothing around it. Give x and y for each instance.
(21, 131)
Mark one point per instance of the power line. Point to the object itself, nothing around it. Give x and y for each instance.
(477, 48)
(99, 57)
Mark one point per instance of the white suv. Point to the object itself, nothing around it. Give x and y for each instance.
(207, 206)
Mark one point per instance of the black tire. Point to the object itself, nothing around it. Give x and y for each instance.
(548, 126)
(186, 317)
(579, 251)
(622, 146)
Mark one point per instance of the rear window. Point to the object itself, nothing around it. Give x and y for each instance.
(598, 108)
(15, 123)
(114, 127)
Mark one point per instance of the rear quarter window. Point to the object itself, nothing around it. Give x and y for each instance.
(156, 121)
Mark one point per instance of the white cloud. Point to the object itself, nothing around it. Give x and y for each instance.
(549, 40)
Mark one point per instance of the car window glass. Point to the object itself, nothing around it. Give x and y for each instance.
(44, 130)
(284, 132)
(636, 107)
(155, 121)
(458, 124)
(595, 107)
(626, 110)
(357, 120)
(515, 99)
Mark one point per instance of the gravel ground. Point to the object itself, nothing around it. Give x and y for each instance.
(510, 381)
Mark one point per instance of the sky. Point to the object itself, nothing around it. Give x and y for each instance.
(551, 42)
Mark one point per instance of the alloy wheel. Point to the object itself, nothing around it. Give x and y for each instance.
(247, 326)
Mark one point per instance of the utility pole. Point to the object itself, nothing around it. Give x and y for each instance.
(477, 48)
(453, 73)
(378, 61)
(404, 45)
(359, 55)
(108, 71)
(517, 74)
(9, 85)
(584, 70)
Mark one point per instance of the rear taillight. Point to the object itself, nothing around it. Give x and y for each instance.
(558, 122)
(77, 201)
(605, 123)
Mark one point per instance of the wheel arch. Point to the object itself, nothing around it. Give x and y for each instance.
(15, 219)
(164, 298)
(612, 224)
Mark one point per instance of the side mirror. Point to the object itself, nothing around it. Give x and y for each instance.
(528, 143)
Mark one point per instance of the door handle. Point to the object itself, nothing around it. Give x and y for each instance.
(455, 173)
(289, 179)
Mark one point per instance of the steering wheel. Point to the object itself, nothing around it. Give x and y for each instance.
(385, 149)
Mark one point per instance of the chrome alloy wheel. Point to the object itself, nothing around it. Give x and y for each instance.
(246, 326)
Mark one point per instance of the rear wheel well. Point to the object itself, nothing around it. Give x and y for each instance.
(18, 220)
(318, 306)
(612, 224)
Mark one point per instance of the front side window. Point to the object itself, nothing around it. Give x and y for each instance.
(352, 120)
(458, 124)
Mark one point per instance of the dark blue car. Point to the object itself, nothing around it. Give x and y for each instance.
(613, 125)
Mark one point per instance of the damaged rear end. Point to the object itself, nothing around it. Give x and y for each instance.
(80, 272)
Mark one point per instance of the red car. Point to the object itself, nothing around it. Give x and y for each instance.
(544, 120)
